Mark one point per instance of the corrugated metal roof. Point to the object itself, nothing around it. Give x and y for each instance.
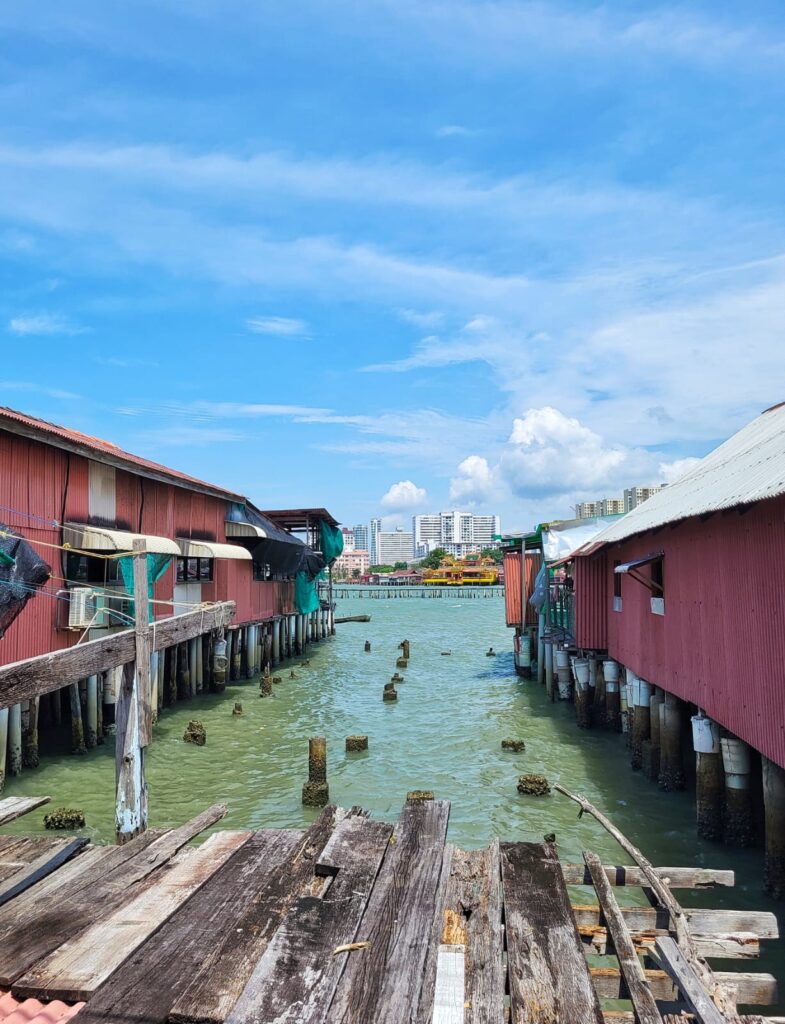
(103, 451)
(748, 467)
(32, 1011)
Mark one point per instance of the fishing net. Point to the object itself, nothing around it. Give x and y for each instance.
(21, 573)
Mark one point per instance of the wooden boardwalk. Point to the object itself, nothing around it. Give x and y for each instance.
(353, 921)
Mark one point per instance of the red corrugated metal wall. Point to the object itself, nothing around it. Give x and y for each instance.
(512, 587)
(533, 563)
(721, 643)
(591, 602)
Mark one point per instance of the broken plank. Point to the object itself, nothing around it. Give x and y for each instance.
(705, 922)
(548, 974)
(158, 973)
(723, 946)
(631, 874)
(640, 993)
(473, 919)
(44, 864)
(295, 979)
(694, 994)
(13, 807)
(47, 923)
(384, 983)
(218, 981)
(17, 852)
(752, 989)
(75, 970)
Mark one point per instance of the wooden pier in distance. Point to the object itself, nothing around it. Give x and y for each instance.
(354, 921)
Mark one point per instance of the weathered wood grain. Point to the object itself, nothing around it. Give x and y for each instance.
(384, 982)
(47, 861)
(31, 929)
(723, 946)
(694, 994)
(705, 922)
(12, 807)
(430, 967)
(16, 852)
(22, 680)
(75, 970)
(548, 975)
(295, 979)
(449, 1004)
(153, 977)
(640, 993)
(218, 983)
(752, 989)
(631, 874)
(473, 919)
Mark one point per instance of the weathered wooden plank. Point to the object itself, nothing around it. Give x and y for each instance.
(449, 1004)
(217, 983)
(295, 979)
(548, 975)
(472, 919)
(12, 807)
(624, 1017)
(157, 974)
(640, 993)
(131, 791)
(31, 929)
(752, 989)
(22, 680)
(384, 982)
(47, 861)
(694, 994)
(75, 970)
(723, 946)
(631, 874)
(16, 852)
(706, 922)
(428, 987)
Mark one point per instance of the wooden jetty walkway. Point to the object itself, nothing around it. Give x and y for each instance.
(394, 590)
(356, 921)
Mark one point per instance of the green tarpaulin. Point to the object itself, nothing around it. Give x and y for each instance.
(332, 541)
(306, 596)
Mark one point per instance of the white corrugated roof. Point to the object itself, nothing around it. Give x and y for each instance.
(750, 466)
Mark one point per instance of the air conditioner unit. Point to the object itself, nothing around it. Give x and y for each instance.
(81, 609)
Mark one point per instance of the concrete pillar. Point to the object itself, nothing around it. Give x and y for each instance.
(200, 664)
(161, 655)
(550, 688)
(3, 745)
(91, 730)
(739, 820)
(709, 777)
(220, 664)
(276, 628)
(541, 649)
(671, 775)
(525, 657)
(15, 739)
(641, 722)
(315, 790)
(610, 671)
(193, 644)
(774, 808)
(30, 735)
(154, 683)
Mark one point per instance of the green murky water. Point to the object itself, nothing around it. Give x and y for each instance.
(443, 733)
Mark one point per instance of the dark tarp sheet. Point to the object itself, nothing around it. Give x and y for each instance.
(21, 573)
(286, 555)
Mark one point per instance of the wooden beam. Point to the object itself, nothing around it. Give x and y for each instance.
(642, 999)
(723, 946)
(704, 922)
(751, 989)
(15, 806)
(144, 687)
(39, 868)
(631, 874)
(695, 995)
(22, 680)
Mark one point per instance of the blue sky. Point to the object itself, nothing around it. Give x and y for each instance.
(396, 255)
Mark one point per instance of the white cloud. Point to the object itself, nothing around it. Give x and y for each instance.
(43, 323)
(671, 471)
(419, 319)
(450, 130)
(282, 326)
(404, 495)
(475, 483)
(28, 386)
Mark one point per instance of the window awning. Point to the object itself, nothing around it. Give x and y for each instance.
(625, 567)
(208, 549)
(244, 530)
(99, 538)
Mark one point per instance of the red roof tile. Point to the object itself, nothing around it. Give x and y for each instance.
(32, 1011)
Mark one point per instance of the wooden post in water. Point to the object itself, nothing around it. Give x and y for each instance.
(91, 733)
(315, 791)
(134, 715)
(774, 807)
(276, 642)
(3, 745)
(671, 763)
(192, 673)
(77, 725)
(15, 740)
(651, 747)
(30, 738)
(155, 684)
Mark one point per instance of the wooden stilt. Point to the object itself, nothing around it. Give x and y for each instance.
(30, 739)
(77, 726)
(3, 745)
(91, 717)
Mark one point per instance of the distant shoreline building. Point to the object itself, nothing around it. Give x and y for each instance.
(633, 496)
(459, 533)
(373, 540)
(393, 547)
(361, 537)
(355, 561)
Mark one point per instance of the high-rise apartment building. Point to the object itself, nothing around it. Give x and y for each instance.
(459, 533)
(361, 537)
(348, 539)
(373, 540)
(634, 496)
(394, 547)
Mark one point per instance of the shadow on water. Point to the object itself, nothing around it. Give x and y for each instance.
(444, 733)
